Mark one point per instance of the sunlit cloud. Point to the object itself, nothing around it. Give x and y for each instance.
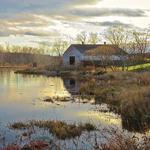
(53, 18)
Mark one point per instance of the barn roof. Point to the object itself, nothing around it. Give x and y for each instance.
(96, 49)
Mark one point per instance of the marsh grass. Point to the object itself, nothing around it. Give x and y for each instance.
(57, 99)
(59, 129)
(19, 125)
(135, 108)
(126, 93)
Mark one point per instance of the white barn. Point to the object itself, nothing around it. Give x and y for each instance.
(78, 53)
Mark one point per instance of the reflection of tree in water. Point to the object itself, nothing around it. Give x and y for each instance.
(57, 88)
(6, 76)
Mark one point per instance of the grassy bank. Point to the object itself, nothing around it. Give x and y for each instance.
(45, 72)
(34, 71)
(15, 66)
(62, 71)
(58, 70)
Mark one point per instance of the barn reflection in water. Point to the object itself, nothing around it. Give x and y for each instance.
(72, 85)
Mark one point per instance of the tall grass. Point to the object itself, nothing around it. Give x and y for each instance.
(127, 94)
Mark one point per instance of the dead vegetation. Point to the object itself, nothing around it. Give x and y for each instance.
(19, 125)
(59, 129)
(57, 99)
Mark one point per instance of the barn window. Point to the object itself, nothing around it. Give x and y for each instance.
(72, 60)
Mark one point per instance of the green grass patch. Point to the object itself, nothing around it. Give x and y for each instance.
(140, 66)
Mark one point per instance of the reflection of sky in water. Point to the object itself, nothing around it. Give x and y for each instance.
(21, 99)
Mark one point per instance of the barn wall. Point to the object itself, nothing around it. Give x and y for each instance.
(72, 52)
(102, 57)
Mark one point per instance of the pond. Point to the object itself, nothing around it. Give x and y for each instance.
(22, 99)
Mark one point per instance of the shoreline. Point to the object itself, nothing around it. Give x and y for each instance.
(60, 73)
(22, 67)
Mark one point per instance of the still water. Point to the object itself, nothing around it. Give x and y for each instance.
(21, 99)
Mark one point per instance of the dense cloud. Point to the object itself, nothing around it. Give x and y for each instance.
(58, 7)
(11, 7)
(111, 23)
(100, 12)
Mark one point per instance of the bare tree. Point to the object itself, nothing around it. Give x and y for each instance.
(59, 47)
(82, 38)
(2, 49)
(140, 41)
(118, 36)
(93, 38)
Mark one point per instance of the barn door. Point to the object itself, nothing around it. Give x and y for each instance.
(72, 60)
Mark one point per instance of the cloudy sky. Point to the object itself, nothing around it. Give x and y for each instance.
(32, 21)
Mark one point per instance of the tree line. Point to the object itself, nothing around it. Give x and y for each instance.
(25, 59)
(21, 49)
(131, 41)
